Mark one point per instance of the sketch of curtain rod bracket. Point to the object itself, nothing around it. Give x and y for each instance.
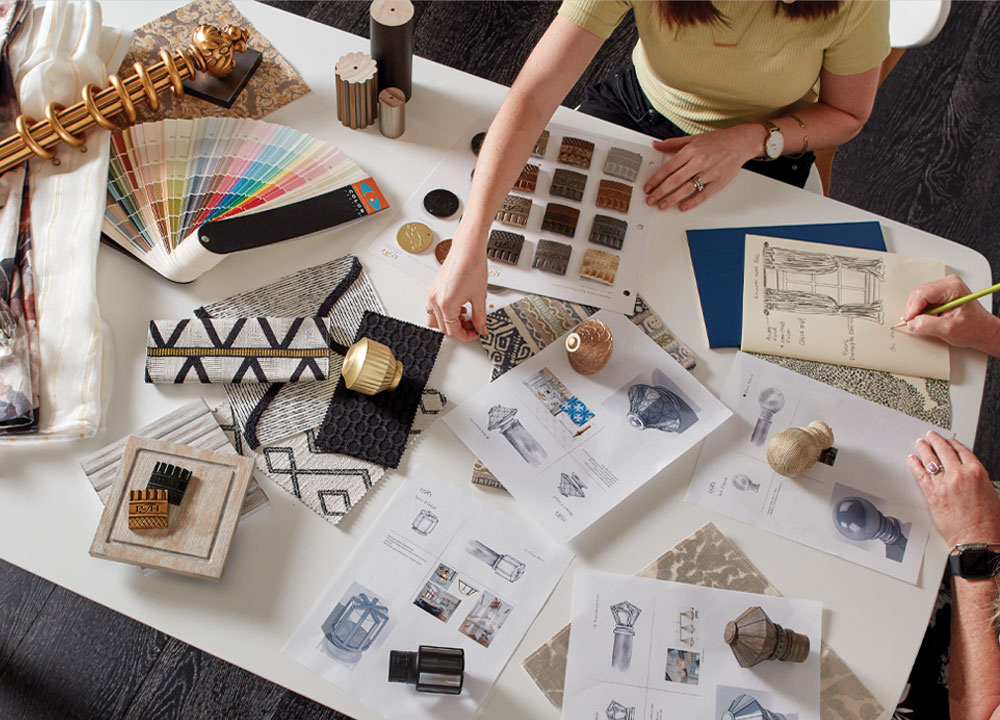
(509, 568)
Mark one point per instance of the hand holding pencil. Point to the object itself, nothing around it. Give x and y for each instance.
(965, 324)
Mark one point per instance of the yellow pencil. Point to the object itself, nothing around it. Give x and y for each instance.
(956, 302)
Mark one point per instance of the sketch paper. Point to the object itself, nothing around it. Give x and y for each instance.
(673, 662)
(837, 305)
(454, 173)
(862, 486)
(438, 567)
(570, 447)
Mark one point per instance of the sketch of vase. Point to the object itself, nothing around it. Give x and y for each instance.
(571, 485)
(625, 614)
(858, 519)
(502, 418)
(743, 483)
(425, 522)
(654, 407)
(803, 282)
(771, 400)
(746, 707)
(353, 626)
(509, 568)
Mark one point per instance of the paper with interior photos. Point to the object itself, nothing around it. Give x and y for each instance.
(438, 567)
(672, 662)
(837, 305)
(570, 447)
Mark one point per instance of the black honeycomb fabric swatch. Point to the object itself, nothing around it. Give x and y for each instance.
(375, 427)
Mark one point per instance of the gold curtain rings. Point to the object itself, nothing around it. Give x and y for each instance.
(127, 105)
(22, 125)
(147, 86)
(175, 77)
(88, 100)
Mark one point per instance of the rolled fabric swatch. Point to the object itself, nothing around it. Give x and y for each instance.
(238, 350)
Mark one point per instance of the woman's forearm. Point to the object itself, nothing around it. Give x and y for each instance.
(974, 663)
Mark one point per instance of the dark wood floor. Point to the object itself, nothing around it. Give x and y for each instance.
(929, 157)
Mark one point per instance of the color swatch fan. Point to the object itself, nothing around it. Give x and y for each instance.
(182, 194)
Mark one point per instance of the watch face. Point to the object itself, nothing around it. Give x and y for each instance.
(774, 145)
(978, 562)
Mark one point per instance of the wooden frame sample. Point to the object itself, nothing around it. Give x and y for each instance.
(201, 527)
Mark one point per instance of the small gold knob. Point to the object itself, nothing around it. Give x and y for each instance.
(370, 367)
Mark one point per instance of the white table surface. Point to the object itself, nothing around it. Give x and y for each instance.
(282, 557)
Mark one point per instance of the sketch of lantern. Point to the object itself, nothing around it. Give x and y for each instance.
(617, 711)
(746, 707)
(858, 519)
(507, 567)
(625, 614)
(743, 483)
(502, 418)
(571, 485)
(352, 627)
(424, 522)
(817, 283)
(771, 400)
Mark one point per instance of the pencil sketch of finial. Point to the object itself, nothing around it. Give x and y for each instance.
(502, 418)
(743, 483)
(571, 485)
(771, 400)
(625, 614)
(803, 282)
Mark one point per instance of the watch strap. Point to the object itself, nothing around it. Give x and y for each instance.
(955, 558)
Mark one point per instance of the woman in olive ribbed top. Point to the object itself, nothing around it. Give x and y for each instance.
(724, 85)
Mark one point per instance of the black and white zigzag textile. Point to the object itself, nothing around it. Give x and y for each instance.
(238, 350)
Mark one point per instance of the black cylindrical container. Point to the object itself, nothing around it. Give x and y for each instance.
(438, 670)
(391, 27)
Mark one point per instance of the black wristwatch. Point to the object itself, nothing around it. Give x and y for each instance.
(974, 560)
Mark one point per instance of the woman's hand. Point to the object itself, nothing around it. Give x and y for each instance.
(461, 280)
(963, 502)
(969, 325)
(713, 157)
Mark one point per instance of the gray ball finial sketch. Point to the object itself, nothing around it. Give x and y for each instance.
(743, 483)
(771, 400)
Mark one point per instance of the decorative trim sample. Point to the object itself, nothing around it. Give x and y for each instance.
(528, 179)
(171, 479)
(504, 246)
(600, 266)
(614, 195)
(541, 145)
(375, 427)
(568, 184)
(608, 231)
(560, 219)
(192, 424)
(147, 510)
(623, 163)
(202, 527)
(552, 256)
(237, 350)
(575, 151)
(514, 211)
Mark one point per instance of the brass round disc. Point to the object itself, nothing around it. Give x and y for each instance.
(441, 250)
(414, 237)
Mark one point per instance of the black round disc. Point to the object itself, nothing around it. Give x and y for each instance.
(477, 142)
(441, 203)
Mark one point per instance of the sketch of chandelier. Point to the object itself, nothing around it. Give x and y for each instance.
(817, 283)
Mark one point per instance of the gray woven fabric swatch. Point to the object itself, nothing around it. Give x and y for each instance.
(298, 407)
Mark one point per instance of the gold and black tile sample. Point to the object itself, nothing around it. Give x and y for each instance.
(514, 211)
(614, 195)
(575, 151)
(600, 266)
(504, 246)
(561, 219)
(608, 231)
(528, 179)
(568, 184)
(552, 256)
(622, 163)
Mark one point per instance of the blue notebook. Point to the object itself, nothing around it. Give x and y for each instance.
(717, 257)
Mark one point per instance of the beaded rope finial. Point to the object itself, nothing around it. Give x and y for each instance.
(211, 50)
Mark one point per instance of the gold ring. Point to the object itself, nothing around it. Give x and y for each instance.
(52, 111)
(175, 76)
(429, 311)
(95, 112)
(147, 86)
(454, 320)
(698, 184)
(22, 125)
(128, 107)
